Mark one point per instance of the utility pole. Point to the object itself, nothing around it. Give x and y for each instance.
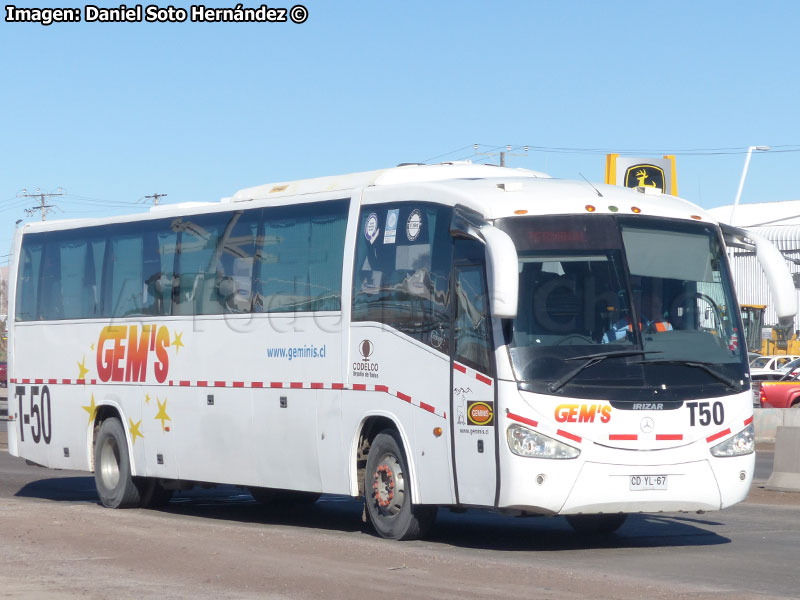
(155, 198)
(502, 153)
(43, 206)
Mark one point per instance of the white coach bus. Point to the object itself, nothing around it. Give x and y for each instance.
(423, 336)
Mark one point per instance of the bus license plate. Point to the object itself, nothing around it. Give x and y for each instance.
(648, 482)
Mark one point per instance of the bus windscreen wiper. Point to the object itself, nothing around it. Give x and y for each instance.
(593, 359)
(706, 366)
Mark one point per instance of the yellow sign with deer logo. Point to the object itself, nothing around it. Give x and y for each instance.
(657, 173)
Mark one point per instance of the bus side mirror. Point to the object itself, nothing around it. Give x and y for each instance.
(502, 272)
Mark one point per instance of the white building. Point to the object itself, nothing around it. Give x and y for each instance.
(779, 222)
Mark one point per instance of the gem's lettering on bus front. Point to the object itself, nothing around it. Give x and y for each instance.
(582, 413)
(480, 413)
(366, 367)
(123, 353)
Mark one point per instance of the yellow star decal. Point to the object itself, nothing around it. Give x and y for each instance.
(82, 370)
(162, 412)
(177, 341)
(92, 346)
(91, 409)
(134, 427)
(147, 398)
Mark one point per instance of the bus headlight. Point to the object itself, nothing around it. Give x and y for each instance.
(526, 442)
(742, 443)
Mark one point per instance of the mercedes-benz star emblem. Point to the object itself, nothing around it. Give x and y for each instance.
(647, 425)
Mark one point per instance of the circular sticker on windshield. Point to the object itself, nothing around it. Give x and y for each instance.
(371, 228)
(413, 225)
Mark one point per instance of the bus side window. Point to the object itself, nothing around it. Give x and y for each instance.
(28, 279)
(402, 270)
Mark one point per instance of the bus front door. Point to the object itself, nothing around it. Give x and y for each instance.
(473, 402)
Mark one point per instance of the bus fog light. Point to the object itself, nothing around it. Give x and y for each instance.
(740, 444)
(742, 475)
(540, 478)
(526, 442)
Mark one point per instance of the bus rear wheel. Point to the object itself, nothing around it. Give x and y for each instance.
(389, 504)
(596, 524)
(112, 467)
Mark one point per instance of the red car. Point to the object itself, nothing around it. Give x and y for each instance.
(780, 394)
(3, 374)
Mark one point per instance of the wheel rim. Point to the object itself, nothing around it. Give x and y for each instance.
(388, 486)
(109, 463)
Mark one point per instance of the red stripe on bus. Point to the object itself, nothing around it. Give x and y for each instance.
(337, 386)
(317, 386)
(80, 381)
(427, 407)
(296, 385)
(94, 381)
(184, 383)
(630, 437)
(459, 367)
(568, 435)
(521, 419)
(13, 380)
(256, 384)
(382, 388)
(170, 382)
(403, 396)
(28, 381)
(238, 384)
(361, 387)
(50, 381)
(669, 437)
(716, 436)
(483, 379)
(748, 421)
(39, 381)
(202, 384)
(219, 384)
(275, 384)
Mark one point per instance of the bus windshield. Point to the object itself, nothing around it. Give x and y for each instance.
(624, 308)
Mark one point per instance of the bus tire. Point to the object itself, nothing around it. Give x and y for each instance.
(112, 468)
(596, 524)
(389, 504)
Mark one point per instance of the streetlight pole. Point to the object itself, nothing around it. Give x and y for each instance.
(744, 174)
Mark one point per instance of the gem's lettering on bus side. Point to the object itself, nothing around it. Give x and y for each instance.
(123, 353)
(582, 413)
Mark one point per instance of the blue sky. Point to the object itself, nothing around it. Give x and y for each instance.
(113, 112)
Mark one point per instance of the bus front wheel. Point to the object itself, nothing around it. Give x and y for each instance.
(112, 467)
(389, 504)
